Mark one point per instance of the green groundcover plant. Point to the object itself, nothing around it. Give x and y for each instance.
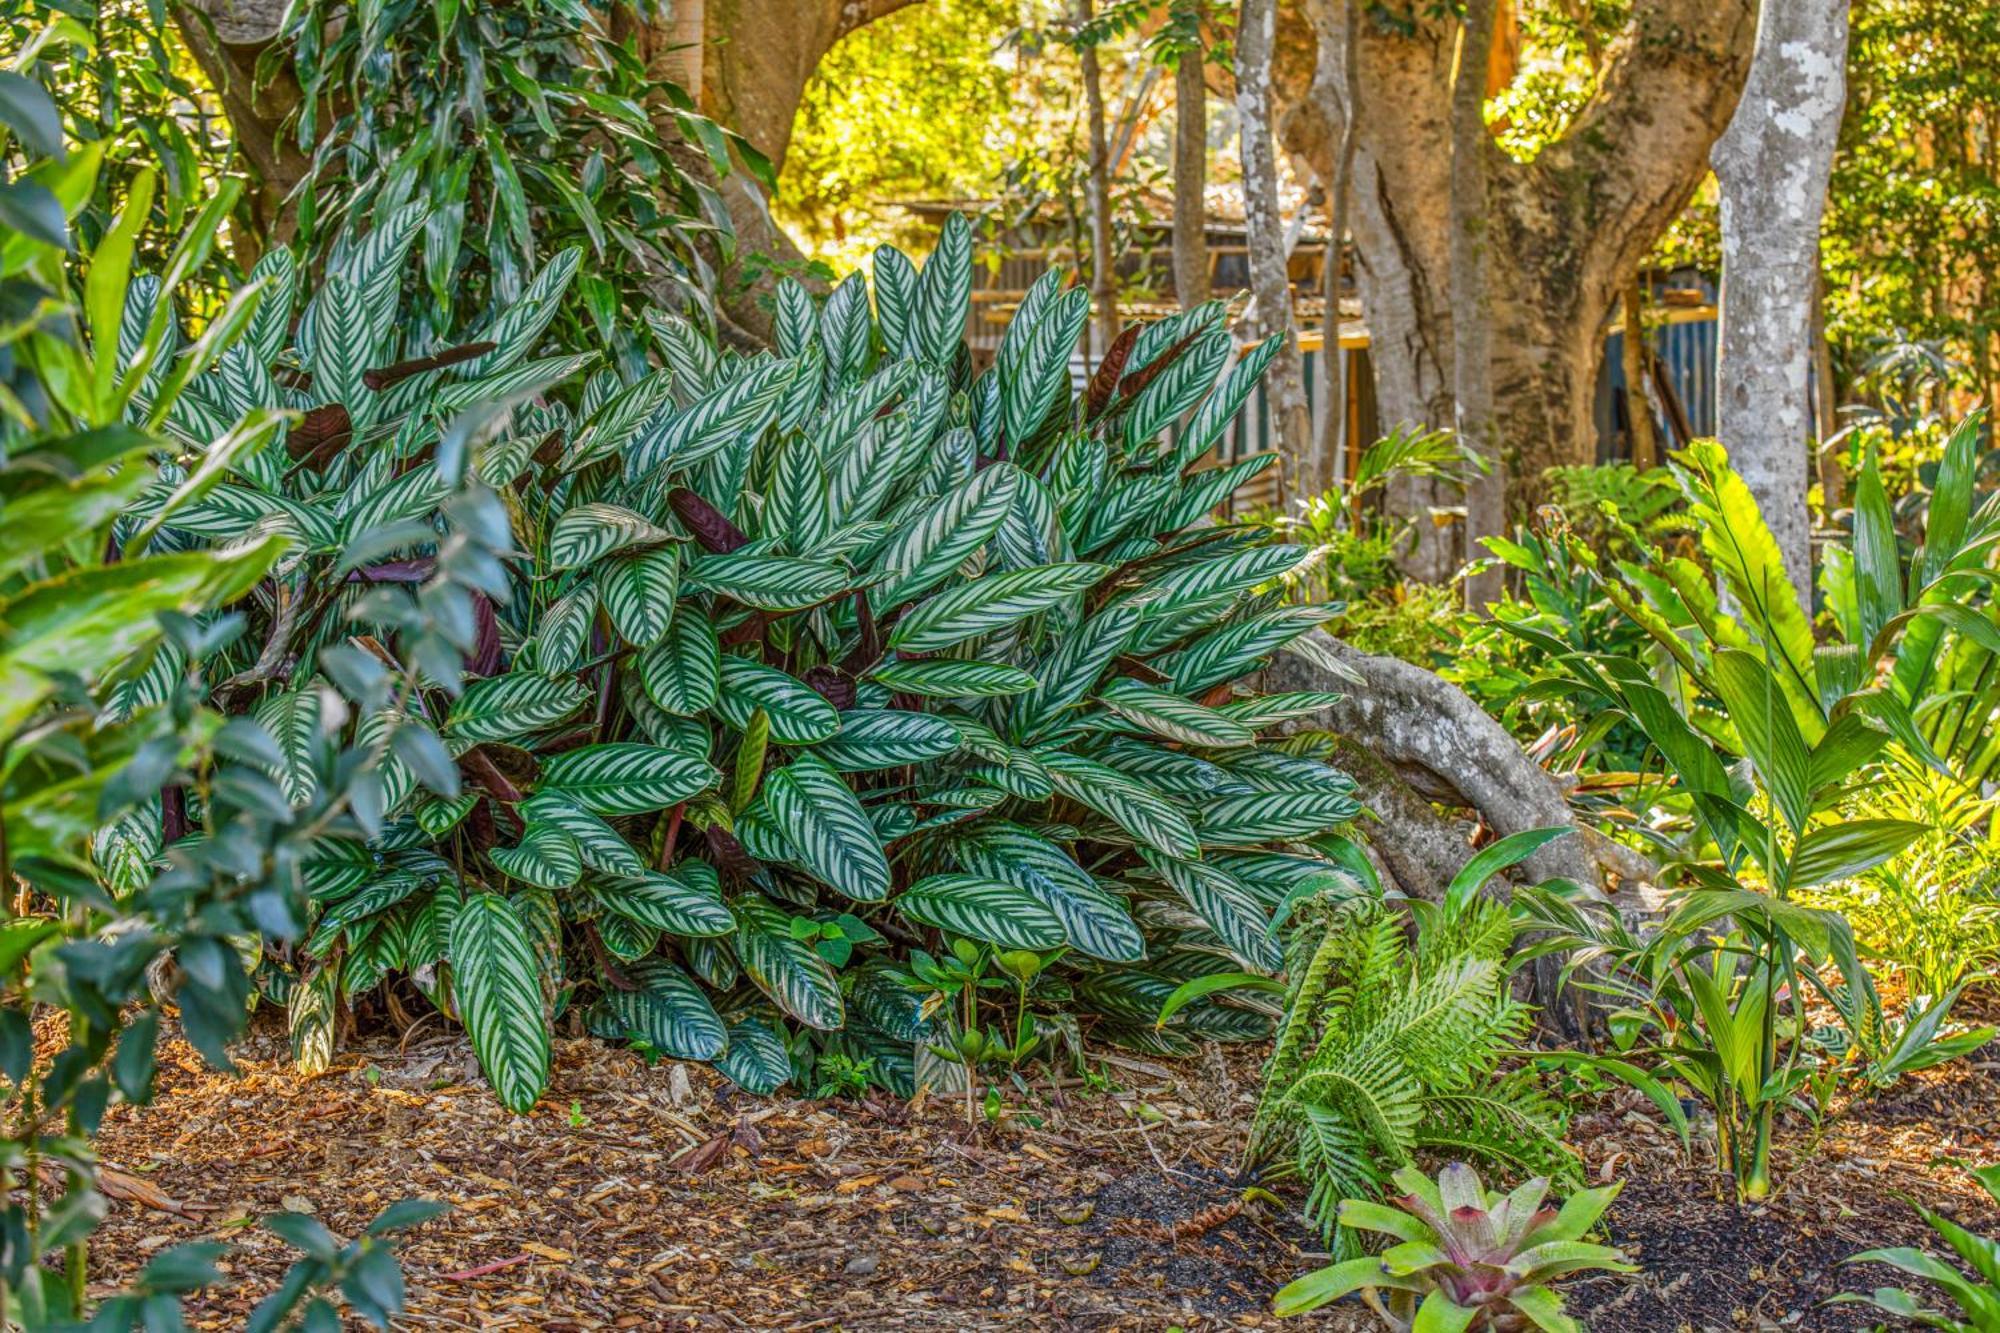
(805, 670)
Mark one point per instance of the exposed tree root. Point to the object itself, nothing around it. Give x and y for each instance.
(1432, 767)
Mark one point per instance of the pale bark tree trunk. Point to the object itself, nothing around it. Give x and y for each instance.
(1638, 407)
(1772, 164)
(1472, 292)
(1336, 73)
(1264, 234)
(1570, 226)
(1191, 285)
(1097, 191)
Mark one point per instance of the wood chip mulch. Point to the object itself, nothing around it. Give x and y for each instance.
(639, 1197)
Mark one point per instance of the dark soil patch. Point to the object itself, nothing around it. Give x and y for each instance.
(1188, 1233)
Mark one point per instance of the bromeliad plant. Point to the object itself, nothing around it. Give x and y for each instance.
(839, 633)
(1467, 1258)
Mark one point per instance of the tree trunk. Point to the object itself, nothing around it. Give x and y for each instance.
(1097, 192)
(1570, 226)
(1336, 55)
(1191, 285)
(1264, 228)
(1772, 164)
(1472, 291)
(1638, 408)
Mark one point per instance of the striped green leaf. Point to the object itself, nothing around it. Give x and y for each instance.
(682, 673)
(1220, 407)
(1093, 919)
(1177, 388)
(741, 407)
(871, 738)
(990, 603)
(950, 678)
(500, 708)
(938, 540)
(828, 830)
(896, 300)
(591, 531)
(622, 778)
(767, 582)
(756, 1060)
(1173, 717)
(798, 715)
(600, 845)
(944, 290)
(665, 902)
(638, 593)
(1226, 906)
(547, 857)
(627, 939)
(991, 910)
(668, 1012)
(1145, 814)
(796, 979)
(530, 378)
(1033, 362)
(565, 628)
(497, 982)
(613, 424)
(1244, 821)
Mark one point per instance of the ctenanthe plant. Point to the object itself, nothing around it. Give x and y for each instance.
(803, 665)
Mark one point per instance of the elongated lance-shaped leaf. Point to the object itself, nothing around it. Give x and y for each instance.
(497, 981)
(1094, 920)
(951, 678)
(741, 407)
(896, 299)
(665, 902)
(887, 738)
(798, 714)
(990, 603)
(767, 582)
(621, 778)
(1033, 362)
(683, 672)
(828, 830)
(796, 979)
(990, 910)
(503, 707)
(938, 541)
(944, 290)
(638, 591)
(669, 1012)
(1150, 818)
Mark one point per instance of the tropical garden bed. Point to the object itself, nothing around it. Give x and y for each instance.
(653, 1196)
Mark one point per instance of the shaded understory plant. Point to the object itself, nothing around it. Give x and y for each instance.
(1772, 739)
(804, 671)
(1389, 1047)
(1466, 1258)
(90, 732)
(1977, 1296)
